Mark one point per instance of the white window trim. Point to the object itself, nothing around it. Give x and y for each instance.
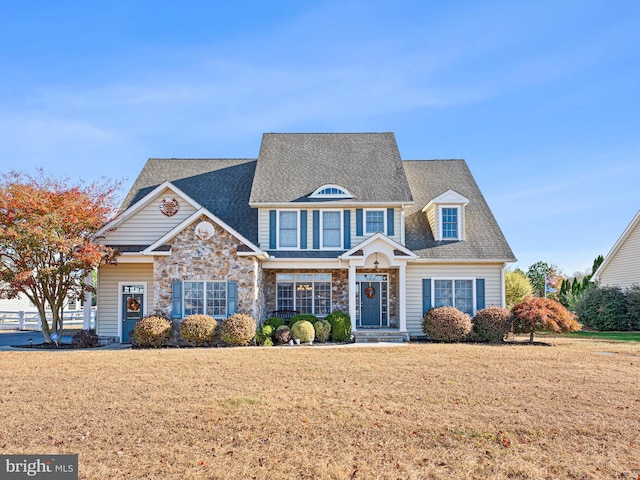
(364, 220)
(340, 212)
(297, 247)
(441, 224)
(226, 299)
(316, 193)
(453, 292)
(313, 281)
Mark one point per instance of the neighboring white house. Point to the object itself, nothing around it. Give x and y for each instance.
(621, 266)
(318, 222)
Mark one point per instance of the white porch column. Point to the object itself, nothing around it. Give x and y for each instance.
(352, 296)
(402, 296)
(86, 313)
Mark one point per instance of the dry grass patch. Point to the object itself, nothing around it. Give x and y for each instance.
(415, 412)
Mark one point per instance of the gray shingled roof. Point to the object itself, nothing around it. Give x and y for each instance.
(292, 165)
(222, 186)
(431, 178)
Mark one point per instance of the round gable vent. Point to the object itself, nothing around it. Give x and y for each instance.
(169, 206)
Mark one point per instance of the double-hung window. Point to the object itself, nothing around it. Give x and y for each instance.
(331, 229)
(454, 293)
(374, 221)
(449, 223)
(288, 229)
(304, 292)
(209, 298)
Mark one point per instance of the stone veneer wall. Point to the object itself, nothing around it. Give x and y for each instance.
(339, 288)
(214, 259)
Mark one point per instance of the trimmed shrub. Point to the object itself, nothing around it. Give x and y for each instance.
(85, 339)
(265, 332)
(303, 329)
(535, 314)
(152, 332)
(238, 329)
(446, 324)
(199, 330)
(603, 308)
(303, 316)
(340, 326)
(275, 322)
(268, 342)
(323, 330)
(283, 334)
(491, 324)
(633, 306)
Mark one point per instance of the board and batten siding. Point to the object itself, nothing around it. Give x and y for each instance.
(109, 279)
(492, 275)
(263, 216)
(149, 224)
(623, 269)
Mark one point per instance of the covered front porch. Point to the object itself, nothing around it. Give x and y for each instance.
(377, 289)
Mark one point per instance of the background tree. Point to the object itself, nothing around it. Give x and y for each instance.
(538, 274)
(516, 287)
(536, 314)
(46, 246)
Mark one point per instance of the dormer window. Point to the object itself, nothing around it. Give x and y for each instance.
(446, 216)
(449, 223)
(330, 191)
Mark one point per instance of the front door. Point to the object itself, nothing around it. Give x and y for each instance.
(132, 309)
(370, 304)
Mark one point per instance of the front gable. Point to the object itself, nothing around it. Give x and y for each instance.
(381, 249)
(150, 218)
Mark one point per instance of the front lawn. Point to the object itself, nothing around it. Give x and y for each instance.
(621, 336)
(410, 412)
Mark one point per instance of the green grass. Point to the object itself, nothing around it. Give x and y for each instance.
(621, 336)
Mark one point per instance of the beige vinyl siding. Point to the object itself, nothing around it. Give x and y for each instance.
(623, 269)
(149, 224)
(431, 216)
(492, 275)
(263, 229)
(109, 277)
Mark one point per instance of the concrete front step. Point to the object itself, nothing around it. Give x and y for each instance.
(375, 336)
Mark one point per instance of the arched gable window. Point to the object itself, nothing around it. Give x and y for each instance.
(330, 191)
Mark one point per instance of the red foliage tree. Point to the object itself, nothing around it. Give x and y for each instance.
(542, 314)
(46, 247)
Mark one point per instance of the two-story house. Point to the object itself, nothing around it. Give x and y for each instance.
(317, 222)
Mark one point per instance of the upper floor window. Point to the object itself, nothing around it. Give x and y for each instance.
(331, 229)
(331, 191)
(374, 221)
(288, 229)
(449, 223)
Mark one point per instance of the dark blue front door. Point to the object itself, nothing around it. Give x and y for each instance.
(132, 305)
(370, 304)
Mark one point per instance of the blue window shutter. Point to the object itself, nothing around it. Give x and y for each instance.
(232, 298)
(272, 229)
(346, 218)
(479, 293)
(303, 229)
(359, 222)
(176, 299)
(426, 295)
(316, 229)
(390, 226)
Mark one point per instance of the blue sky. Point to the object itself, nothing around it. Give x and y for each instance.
(541, 98)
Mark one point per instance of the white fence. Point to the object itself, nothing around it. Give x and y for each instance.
(30, 320)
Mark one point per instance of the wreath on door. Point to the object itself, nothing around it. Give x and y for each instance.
(133, 305)
(370, 292)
